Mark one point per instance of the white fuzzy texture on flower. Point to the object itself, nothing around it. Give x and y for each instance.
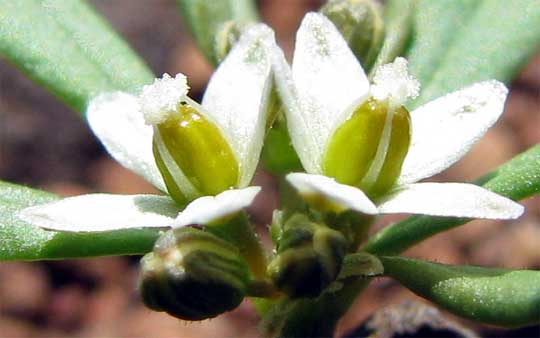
(102, 212)
(161, 99)
(394, 83)
(208, 209)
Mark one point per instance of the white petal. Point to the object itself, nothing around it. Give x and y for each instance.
(102, 212)
(328, 77)
(115, 118)
(445, 129)
(304, 142)
(450, 199)
(237, 95)
(207, 209)
(326, 187)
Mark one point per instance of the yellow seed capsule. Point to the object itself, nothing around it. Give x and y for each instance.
(368, 150)
(193, 156)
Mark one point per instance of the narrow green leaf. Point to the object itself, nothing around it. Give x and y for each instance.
(69, 49)
(517, 179)
(205, 19)
(21, 241)
(436, 26)
(509, 298)
(493, 42)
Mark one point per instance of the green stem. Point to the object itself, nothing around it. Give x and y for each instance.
(318, 317)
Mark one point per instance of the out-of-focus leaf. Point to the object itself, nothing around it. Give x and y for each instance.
(465, 41)
(517, 179)
(206, 19)
(503, 297)
(69, 49)
(436, 26)
(21, 241)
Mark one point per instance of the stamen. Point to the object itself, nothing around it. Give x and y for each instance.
(393, 82)
(159, 101)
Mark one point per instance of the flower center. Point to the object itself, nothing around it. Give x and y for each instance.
(191, 153)
(368, 150)
(193, 156)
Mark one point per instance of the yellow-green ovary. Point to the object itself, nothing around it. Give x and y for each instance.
(353, 148)
(200, 151)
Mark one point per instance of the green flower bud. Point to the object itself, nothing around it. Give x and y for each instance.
(193, 275)
(225, 38)
(361, 24)
(308, 259)
(193, 156)
(368, 150)
(205, 18)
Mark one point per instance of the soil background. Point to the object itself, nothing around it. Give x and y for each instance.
(43, 144)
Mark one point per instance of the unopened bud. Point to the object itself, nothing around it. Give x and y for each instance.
(193, 275)
(368, 150)
(308, 259)
(361, 24)
(227, 35)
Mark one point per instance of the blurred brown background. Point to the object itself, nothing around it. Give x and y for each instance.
(43, 144)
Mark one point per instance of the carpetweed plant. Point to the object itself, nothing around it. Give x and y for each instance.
(376, 100)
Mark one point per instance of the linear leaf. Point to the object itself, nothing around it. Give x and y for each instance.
(470, 41)
(509, 298)
(69, 49)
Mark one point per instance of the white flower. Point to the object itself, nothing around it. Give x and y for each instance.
(235, 102)
(326, 85)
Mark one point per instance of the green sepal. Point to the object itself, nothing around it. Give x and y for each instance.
(206, 20)
(509, 298)
(360, 264)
